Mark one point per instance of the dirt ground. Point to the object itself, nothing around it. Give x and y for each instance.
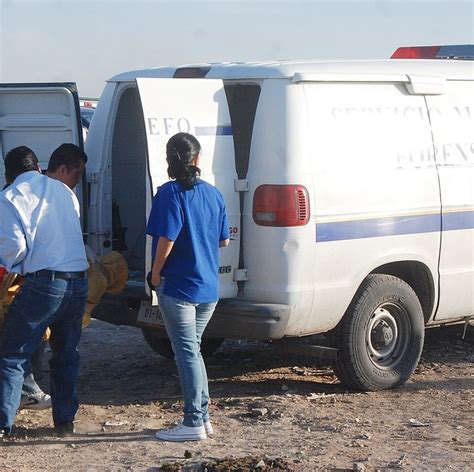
(270, 411)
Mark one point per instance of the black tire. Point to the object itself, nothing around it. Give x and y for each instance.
(159, 342)
(380, 338)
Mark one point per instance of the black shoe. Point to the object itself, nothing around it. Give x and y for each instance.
(4, 434)
(64, 429)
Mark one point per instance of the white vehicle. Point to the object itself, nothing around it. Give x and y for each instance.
(349, 188)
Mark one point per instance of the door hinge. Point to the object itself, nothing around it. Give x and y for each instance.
(241, 185)
(99, 233)
(240, 275)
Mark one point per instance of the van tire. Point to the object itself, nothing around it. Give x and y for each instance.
(380, 338)
(160, 343)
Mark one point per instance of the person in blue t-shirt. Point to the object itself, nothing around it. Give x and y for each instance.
(188, 223)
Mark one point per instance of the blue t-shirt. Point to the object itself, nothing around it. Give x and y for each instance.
(196, 221)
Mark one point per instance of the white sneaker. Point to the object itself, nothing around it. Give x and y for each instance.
(207, 426)
(182, 433)
(35, 401)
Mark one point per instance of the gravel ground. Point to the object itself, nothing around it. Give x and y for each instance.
(270, 410)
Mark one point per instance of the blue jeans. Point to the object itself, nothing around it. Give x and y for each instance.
(43, 302)
(30, 386)
(185, 323)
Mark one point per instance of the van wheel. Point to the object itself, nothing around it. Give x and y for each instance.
(380, 338)
(159, 342)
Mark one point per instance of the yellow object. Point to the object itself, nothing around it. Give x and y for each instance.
(9, 287)
(108, 275)
(46, 334)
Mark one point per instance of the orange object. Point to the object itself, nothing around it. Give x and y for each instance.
(108, 275)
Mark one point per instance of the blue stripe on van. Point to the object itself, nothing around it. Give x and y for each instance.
(458, 220)
(391, 226)
(225, 130)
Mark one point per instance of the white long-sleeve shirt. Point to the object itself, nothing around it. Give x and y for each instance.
(40, 226)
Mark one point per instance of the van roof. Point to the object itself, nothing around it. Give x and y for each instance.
(447, 69)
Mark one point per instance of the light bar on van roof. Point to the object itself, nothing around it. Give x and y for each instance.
(461, 51)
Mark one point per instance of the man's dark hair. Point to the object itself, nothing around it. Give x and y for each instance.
(67, 154)
(19, 160)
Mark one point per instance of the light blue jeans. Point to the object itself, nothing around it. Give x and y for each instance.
(185, 323)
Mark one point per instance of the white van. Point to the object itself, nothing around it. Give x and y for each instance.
(349, 189)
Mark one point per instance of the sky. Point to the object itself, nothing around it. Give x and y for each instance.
(88, 41)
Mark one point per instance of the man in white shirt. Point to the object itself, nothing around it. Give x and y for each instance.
(41, 239)
(66, 164)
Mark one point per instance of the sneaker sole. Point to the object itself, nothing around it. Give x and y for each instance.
(179, 439)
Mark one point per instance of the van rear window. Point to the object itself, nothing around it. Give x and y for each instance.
(242, 100)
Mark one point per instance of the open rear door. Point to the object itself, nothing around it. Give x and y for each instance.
(40, 116)
(199, 107)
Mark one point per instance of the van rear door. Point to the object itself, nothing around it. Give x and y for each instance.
(40, 116)
(199, 107)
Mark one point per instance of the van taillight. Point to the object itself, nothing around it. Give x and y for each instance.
(281, 205)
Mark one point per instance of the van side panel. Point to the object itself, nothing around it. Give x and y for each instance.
(99, 173)
(452, 118)
(376, 198)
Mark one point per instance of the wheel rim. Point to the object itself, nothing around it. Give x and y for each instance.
(387, 335)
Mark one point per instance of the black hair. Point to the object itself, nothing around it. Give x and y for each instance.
(181, 150)
(19, 160)
(67, 154)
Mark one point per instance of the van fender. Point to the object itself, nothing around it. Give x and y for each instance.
(399, 265)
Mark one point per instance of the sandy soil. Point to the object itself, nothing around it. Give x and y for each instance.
(271, 411)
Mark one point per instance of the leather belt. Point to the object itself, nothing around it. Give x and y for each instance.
(56, 274)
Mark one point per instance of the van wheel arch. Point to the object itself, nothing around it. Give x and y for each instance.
(419, 277)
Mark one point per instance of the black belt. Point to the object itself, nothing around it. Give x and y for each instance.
(56, 274)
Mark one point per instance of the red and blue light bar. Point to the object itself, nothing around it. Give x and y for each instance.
(460, 51)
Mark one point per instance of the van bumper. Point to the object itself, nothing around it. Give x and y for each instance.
(235, 318)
